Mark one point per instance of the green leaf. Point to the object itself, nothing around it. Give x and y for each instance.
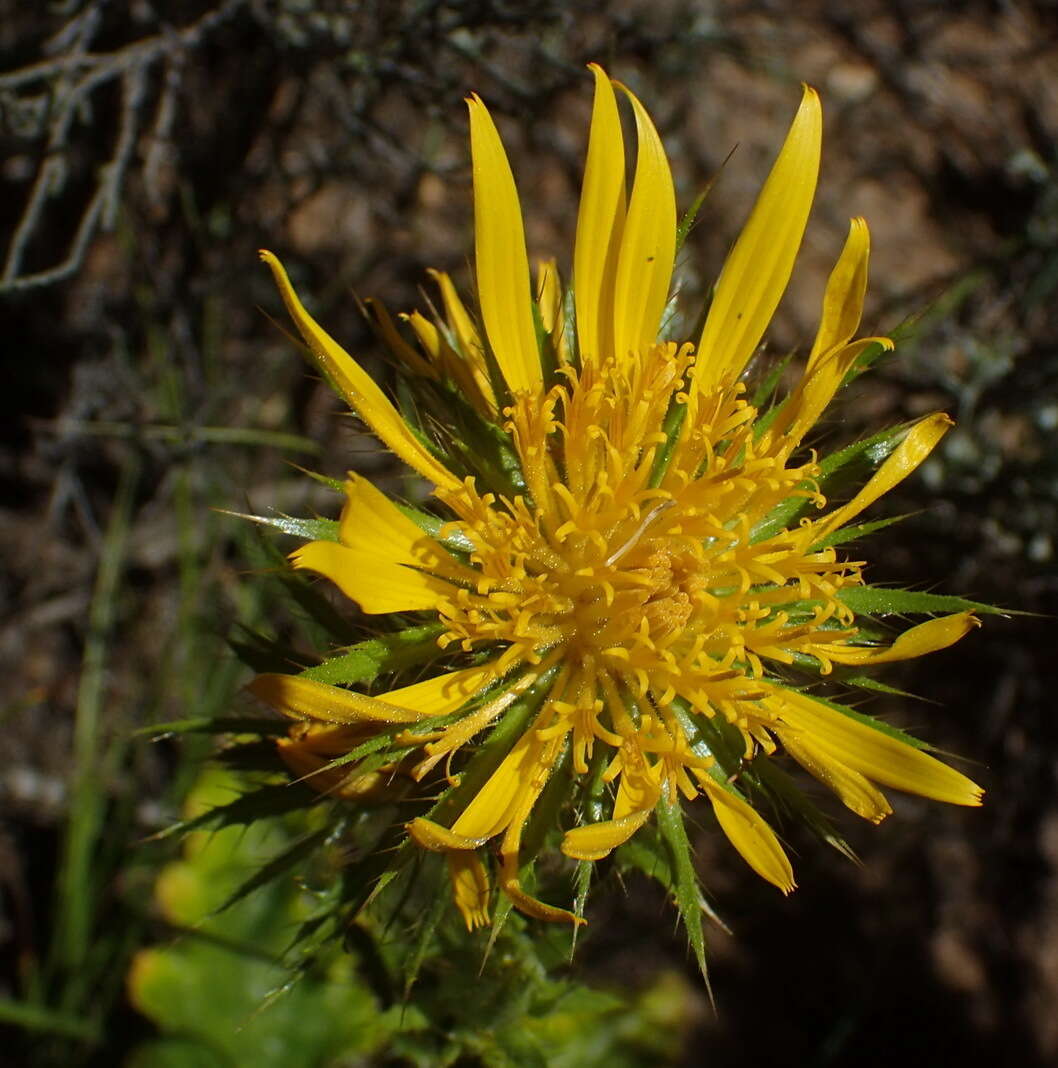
(272, 800)
(765, 391)
(214, 987)
(860, 530)
(840, 474)
(277, 866)
(876, 601)
(32, 1017)
(864, 362)
(866, 682)
(645, 852)
(687, 891)
(685, 224)
(214, 725)
(674, 418)
(364, 661)
(432, 525)
(336, 484)
(440, 902)
(785, 793)
(308, 529)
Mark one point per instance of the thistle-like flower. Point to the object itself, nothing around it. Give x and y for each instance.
(632, 587)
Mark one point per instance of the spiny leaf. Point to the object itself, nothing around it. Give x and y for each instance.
(308, 529)
(364, 661)
(646, 853)
(687, 892)
(685, 224)
(838, 472)
(864, 362)
(424, 935)
(214, 725)
(711, 737)
(582, 883)
(272, 800)
(300, 849)
(866, 682)
(324, 480)
(873, 600)
(860, 530)
(262, 652)
(432, 525)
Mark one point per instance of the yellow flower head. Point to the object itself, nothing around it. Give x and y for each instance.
(634, 571)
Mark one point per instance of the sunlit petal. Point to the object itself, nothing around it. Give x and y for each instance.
(501, 264)
(357, 386)
(599, 225)
(648, 243)
(759, 266)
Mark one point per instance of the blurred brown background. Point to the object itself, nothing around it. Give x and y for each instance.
(148, 150)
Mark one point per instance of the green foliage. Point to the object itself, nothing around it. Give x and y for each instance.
(877, 601)
(364, 661)
(230, 990)
(685, 886)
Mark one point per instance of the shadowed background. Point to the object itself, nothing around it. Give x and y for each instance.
(148, 150)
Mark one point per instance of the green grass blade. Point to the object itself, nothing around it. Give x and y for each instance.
(77, 883)
(31, 1017)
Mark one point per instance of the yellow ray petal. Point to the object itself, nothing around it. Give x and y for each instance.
(468, 366)
(501, 265)
(387, 331)
(428, 334)
(465, 728)
(648, 243)
(593, 841)
(817, 388)
(640, 788)
(920, 441)
(376, 584)
(539, 770)
(749, 834)
(492, 809)
(470, 887)
(440, 839)
(928, 637)
(466, 333)
(532, 906)
(307, 699)
(843, 298)
(443, 693)
(311, 748)
(855, 790)
(549, 299)
(371, 523)
(757, 269)
(878, 756)
(357, 387)
(599, 225)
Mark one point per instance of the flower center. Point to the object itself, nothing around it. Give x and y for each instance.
(648, 571)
